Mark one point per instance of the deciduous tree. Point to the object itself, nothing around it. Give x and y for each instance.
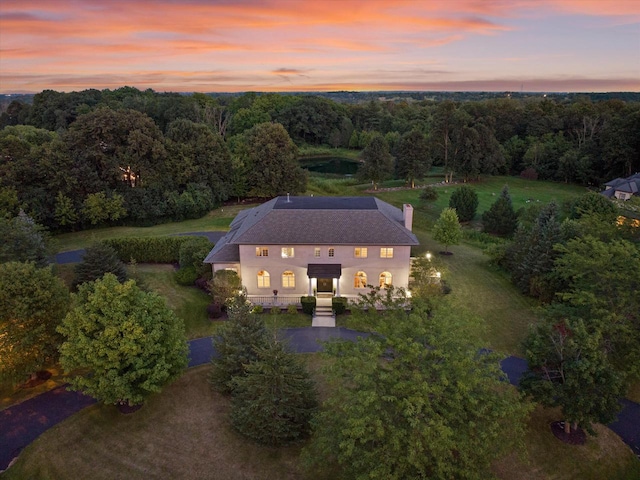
(377, 161)
(416, 401)
(447, 229)
(270, 160)
(413, 160)
(33, 302)
(569, 368)
(125, 343)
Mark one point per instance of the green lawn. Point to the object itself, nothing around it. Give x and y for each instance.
(184, 433)
(188, 303)
(523, 193)
(218, 219)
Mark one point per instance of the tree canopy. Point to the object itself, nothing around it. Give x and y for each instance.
(33, 302)
(125, 343)
(416, 401)
(447, 230)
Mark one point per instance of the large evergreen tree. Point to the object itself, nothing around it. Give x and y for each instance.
(532, 255)
(125, 344)
(274, 400)
(236, 344)
(99, 259)
(465, 200)
(501, 218)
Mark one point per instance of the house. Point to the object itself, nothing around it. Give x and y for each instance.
(622, 188)
(289, 247)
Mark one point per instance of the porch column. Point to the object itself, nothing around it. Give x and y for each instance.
(310, 287)
(338, 287)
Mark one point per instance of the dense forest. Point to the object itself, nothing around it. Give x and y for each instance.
(73, 160)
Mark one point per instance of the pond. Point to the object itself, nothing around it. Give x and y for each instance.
(337, 165)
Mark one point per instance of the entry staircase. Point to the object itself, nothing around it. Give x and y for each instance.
(323, 315)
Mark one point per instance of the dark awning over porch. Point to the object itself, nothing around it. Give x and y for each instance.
(324, 270)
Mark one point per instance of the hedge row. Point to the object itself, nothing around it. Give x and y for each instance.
(148, 250)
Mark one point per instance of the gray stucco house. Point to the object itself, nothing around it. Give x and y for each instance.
(317, 245)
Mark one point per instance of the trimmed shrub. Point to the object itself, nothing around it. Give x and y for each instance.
(339, 305)
(257, 309)
(308, 304)
(186, 276)
(275, 311)
(148, 250)
(193, 252)
(429, 194)
(291, 308)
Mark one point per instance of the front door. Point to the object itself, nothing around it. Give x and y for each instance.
(325, 285)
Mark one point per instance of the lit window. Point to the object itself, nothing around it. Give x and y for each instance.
(386, 252)
(316, 252)
(332, 252)
(264, 279)
(385, 279)
(287, 252)
(360, 280)
(361, 252)
(288, 280)
(262, 252)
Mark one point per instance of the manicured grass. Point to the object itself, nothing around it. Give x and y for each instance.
(188, 303)
(523, 193)
(486, 292)
(181, 433)
(324, 151)
(184, 432)
(602, 457)
(218, 219)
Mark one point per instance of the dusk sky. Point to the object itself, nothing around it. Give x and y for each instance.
(296, 45)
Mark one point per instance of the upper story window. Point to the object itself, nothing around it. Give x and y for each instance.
(264, 279)
(262, 252)
(316, 252)
(332, 252)
(287, 252)
(361, 252)
(386, 252)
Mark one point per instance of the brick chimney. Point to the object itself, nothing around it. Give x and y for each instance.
(407, 216)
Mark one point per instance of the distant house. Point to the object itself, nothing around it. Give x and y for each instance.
(622, 188)
(329, 246)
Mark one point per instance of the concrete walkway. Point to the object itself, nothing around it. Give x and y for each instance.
(21, 424)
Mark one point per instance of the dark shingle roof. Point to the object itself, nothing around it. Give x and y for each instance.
(315, 221)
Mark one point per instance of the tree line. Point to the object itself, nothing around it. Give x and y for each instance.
(74, 160)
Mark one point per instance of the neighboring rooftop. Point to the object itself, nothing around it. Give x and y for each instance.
(629, 185)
